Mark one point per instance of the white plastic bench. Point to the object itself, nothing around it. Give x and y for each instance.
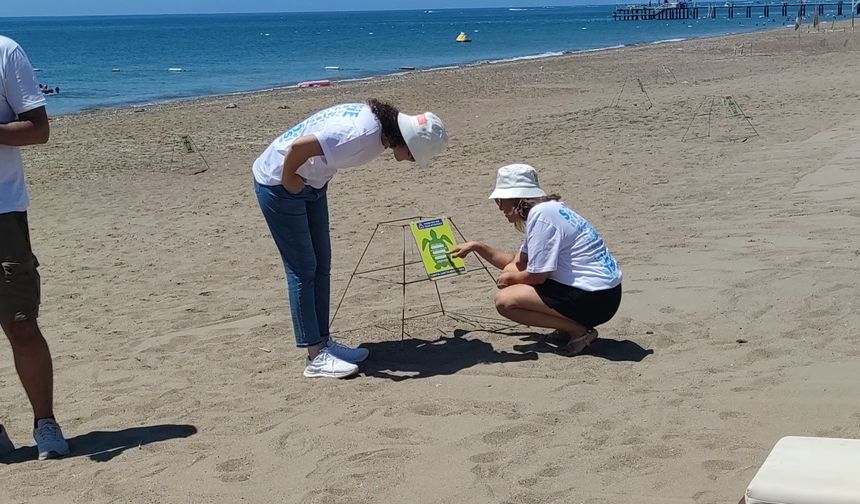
(808, 470)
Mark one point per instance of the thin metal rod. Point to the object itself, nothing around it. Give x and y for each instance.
(349, 282)
(690, 125)
(480, 261)
(412, 317)
(392, 282)
(384, 268)
(439, 296)
(400, 220)
(710, 113)
(469, 315)
(403, 305)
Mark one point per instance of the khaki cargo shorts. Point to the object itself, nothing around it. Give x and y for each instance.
(19, 279)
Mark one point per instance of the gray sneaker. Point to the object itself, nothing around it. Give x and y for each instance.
(6, 446)
(344, 352)
(49, 440)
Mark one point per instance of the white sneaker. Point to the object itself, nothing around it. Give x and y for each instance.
(49, 440)
(6, 446)
(327, 365)
(345, 352)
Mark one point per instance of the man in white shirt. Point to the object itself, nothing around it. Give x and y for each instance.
(23, 121)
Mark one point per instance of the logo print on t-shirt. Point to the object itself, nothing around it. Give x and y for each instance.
(343, 110)
(582, 226)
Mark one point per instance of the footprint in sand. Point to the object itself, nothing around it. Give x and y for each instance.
(551, 471)
(528, 482)
(483, 471)
(507, 435)
(397, 433)
(234, 470)
(430, 409)
(717, 466)
(486, 465)
(486, 457)
(662, 452)
(604, 425)
(725, 415)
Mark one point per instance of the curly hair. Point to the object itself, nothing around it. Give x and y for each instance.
(387, 113)
(523, 206)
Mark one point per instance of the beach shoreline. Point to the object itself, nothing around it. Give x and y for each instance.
(395, 73)
(720, 172)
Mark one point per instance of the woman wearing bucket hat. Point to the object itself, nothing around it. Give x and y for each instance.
(563, 277)
(291, 177)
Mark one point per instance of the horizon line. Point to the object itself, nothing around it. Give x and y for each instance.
(322, 11)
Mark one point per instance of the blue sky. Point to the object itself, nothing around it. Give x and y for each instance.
(112, 7)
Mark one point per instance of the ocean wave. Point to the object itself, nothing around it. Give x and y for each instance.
(668, 40)
(528, 57)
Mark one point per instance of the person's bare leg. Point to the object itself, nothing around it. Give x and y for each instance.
(522, 304)
(315, 350)
(33, 363)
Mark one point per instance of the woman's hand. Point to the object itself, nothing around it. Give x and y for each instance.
(463, 249)
(506, 279)
(293, 184)
(302, 149)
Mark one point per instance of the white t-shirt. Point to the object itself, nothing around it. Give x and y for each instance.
(19, 93)
(350, 136)
(562, 243)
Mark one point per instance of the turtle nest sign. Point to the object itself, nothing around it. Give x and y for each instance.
(435, 240)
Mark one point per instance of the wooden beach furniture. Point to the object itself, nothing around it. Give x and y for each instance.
(808, 470)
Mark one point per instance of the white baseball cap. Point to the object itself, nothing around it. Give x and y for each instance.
(516, 181)
(424, 134)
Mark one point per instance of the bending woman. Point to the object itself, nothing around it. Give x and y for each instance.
(563, 277)
(291, 177)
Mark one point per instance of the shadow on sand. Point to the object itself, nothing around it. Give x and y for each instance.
(609, 349)
(102, 446)
(417, 358)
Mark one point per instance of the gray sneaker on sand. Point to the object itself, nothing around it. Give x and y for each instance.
(350, 354)
(49, 440)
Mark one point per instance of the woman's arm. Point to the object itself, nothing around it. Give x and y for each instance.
(509, 278)
(302, 149)
(496, 257)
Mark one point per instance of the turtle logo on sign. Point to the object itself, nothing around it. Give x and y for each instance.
(438, 249)
(434, 239)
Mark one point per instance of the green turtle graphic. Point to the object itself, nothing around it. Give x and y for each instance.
(438, 246)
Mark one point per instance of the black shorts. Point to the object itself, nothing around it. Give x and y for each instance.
(586, 307)
(19, 278)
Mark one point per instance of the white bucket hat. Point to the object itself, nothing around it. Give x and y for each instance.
(425, 135)
(516, 181)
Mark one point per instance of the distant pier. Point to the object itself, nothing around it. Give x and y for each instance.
(684, 10)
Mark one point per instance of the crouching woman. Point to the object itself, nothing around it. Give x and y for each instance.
(563, 277)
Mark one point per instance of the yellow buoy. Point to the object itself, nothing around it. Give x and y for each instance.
(462, 37)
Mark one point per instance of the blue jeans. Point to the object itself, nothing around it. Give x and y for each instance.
(299, 225)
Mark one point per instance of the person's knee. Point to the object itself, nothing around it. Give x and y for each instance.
(505, 302)
(23, 334)
(303, 274)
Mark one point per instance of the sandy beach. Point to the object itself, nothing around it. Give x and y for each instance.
(722, 173)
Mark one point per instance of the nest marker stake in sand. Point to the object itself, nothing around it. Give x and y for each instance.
(185, 145)
(427, 244)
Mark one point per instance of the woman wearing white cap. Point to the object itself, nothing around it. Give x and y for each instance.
(563, 277)
(291, 177)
